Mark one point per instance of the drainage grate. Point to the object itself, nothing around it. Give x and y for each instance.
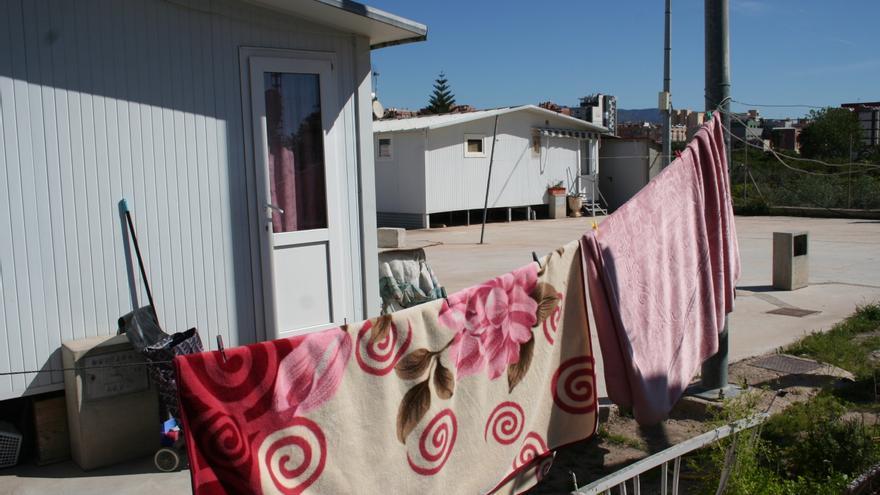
(786, 364)
(796, 312)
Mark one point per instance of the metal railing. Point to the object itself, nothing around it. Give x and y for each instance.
(588, 190)
(662, 459)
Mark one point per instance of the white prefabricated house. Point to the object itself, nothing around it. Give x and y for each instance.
(628, 164)
(240, 133)
(440, 163)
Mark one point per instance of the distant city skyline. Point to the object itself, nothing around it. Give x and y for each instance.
(783, 52)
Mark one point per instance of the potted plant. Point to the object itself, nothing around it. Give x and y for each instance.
(556, 189)
(575, 203)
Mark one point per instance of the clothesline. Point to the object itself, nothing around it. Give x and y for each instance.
(81, 368)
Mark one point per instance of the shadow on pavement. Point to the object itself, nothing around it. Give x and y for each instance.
(69, 469)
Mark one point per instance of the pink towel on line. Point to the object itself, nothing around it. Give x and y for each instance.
(662, 271)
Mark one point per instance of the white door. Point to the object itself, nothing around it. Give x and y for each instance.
(299, 169)
(588, 169)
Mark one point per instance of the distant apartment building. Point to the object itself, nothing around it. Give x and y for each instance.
(690, 119)
(599, 109)
(695, 120)
(786, 138)
(747, 127)
(640, 130)
(678, 133)
(869, 119)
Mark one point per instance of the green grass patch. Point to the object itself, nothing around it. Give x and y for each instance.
(842, 346)
(809, 448)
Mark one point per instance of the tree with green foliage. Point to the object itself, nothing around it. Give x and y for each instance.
(442, 100)
(831, 134)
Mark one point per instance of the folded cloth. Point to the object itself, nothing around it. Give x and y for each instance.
(469, 395)
(405, 279)
(662, 271)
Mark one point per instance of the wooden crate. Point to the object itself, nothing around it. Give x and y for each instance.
(50, 425)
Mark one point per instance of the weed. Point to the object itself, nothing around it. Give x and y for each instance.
(838, 347)
(621, 440)
(809, 448)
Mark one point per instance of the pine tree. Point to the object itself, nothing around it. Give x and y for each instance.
(442, 100)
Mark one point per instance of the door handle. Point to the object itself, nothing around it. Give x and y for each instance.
(275, 207)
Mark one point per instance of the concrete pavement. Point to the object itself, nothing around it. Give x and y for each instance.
(844, 267)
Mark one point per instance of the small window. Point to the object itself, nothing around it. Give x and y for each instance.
(383, 148)
(473, 146)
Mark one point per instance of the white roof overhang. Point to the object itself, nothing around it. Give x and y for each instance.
(382, 28)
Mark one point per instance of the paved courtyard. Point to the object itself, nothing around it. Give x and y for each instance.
(844, 268)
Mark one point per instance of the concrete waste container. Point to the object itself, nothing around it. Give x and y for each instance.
(556, 202)
(791, 269)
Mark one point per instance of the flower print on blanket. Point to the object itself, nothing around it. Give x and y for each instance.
(493, 324)
(492, 321)
(410, 402)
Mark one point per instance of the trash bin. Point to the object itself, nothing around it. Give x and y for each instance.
(791, 269)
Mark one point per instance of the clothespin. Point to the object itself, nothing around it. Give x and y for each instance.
(708, 114)
(220, 347)
(443, 294)
(596, 226)
(678, 154)
(536, 259)
(574, 479)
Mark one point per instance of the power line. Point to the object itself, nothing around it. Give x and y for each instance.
(797, 158)
(777, 105)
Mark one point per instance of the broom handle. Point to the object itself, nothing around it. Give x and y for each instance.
(137, 251)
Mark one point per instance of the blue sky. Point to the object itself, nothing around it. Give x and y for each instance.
(497, 53)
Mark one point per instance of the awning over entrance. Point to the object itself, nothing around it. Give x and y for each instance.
(567, 133)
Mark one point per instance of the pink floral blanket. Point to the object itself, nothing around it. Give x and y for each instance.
(662, 270)
(469, 395)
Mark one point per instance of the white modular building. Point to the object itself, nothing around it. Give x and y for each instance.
(440, 163)
(240, 133)
(628, 164)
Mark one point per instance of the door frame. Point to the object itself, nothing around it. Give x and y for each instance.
(261, 243)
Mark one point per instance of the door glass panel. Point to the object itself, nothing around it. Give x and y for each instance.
(296, 151)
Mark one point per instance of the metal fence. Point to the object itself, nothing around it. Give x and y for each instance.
(662, 459)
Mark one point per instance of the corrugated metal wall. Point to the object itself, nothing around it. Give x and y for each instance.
(519, 176)
(400, 180)
(627, 166)
(104, 99)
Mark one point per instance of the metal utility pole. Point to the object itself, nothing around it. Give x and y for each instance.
(489, 179)
(714, 370)
(666, 98)
(718, 64)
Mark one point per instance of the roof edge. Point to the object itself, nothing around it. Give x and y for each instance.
(530, 108)
(486, 114)
(419, 30)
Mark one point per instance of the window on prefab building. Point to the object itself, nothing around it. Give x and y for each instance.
(383, 148)
(473, 146)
